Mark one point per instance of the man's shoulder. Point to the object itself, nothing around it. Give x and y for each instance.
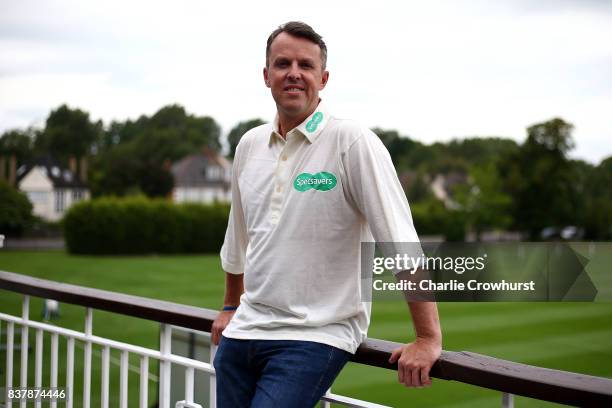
(261, 132)
(349, 131)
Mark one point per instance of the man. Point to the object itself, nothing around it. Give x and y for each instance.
(306, 191)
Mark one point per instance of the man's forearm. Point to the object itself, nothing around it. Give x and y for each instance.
(426, 321)
(234, 287)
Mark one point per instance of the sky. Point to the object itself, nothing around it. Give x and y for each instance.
(433, 70)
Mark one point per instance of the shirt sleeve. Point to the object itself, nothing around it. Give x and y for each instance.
(233, 251)
(376, 192)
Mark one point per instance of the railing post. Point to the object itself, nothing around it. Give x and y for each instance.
(38, 361)
(144, 381)
(25, 315)
(10, 335)
(87, 362)
(123, 379)
(189, 376)
(165, 339)
(69, 372)
(104, 389)
(326, 404)
(54, 361)
(507, 400)
(213, 379)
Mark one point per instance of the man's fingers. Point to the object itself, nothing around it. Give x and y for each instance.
(416, 377)
(414, 362)
(395, 355)
(407, 377)
(219, 325)
(214, 337)
(412, 370)
(404, 373)
(425, 379)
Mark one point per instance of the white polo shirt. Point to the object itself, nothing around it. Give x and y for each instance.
(300, 209)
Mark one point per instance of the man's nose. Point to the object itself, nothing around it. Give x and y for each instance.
(294, 73)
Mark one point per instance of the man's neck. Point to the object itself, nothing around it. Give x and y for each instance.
(286, 122)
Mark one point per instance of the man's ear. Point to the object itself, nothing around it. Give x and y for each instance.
(266, 78)
(324, 80)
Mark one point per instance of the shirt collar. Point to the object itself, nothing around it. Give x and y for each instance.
(310, 128)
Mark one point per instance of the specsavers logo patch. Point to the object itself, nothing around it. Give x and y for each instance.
(322, 181)
(313, 123)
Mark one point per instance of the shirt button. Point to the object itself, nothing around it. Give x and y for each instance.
(279, 188)
(284, 158)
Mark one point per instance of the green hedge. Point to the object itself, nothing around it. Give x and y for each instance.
(15, 211)
(140, 226)
(432, 218)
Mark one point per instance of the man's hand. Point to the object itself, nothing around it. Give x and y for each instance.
(234, 287)
(414, 361)
(222, 320)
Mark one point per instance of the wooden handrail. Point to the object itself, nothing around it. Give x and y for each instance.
(471, 368)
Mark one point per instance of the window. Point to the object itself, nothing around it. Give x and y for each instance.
(214, 173)
(59, 201)
(77, 195)
(38, 197)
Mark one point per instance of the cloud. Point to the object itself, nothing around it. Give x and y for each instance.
(433, 70)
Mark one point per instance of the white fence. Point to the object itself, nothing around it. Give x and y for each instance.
(505, 376)
(88, 341)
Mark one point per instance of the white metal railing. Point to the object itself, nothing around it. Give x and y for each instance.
(508, 377)
(107, 345)
(164, 356)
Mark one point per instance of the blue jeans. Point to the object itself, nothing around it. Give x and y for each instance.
(275, 373)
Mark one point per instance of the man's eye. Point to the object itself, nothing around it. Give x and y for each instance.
(281, 64)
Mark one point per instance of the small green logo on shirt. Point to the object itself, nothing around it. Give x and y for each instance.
(322, 181)
(312, 124)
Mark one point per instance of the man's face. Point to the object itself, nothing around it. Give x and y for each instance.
(295, 75)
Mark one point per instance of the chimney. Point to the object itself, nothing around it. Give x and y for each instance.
(12, 170)
(72, 165)
(2, 168)
(83, 170)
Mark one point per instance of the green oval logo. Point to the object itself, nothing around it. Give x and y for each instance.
(322, 181)
(313, 123)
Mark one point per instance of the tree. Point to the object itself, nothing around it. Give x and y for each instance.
(483, 201)
(68, 132)
(398, 146)
(185, 132)
(238, 131)
(15, 210)
(121, 132)
(115, 172)
(540, 178)
(431, 217)
(479, 150)
(135, 154)
(418, 188)
(598, 202)
(553, 136)
(19, 143)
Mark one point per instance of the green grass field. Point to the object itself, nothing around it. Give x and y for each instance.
(567, 336)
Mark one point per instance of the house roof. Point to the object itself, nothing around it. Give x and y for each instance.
(59, 176)
(191, 170)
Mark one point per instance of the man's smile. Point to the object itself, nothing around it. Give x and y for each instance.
(293, 89)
